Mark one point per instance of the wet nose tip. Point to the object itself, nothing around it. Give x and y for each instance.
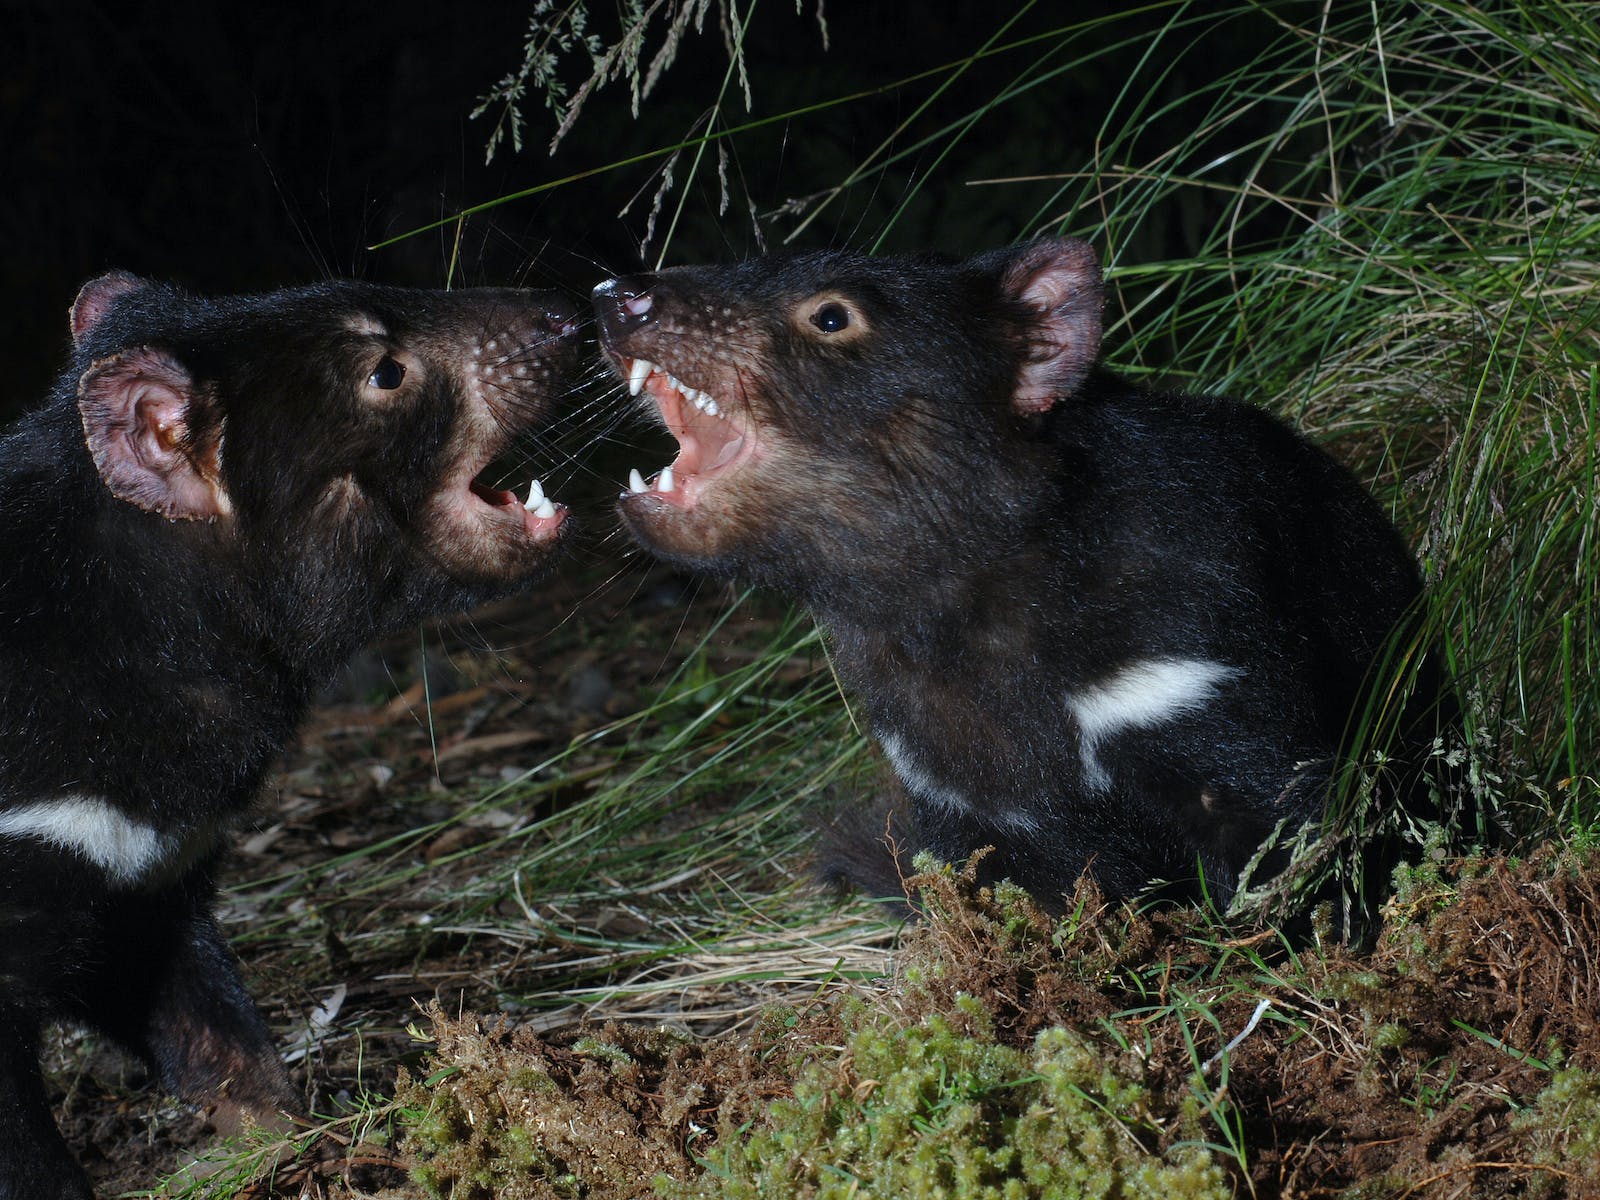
(625, 302)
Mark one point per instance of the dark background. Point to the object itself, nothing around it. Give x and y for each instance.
(239, 146)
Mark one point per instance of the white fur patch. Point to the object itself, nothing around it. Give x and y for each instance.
(125, 849)
(919, 782)
(1140, 696)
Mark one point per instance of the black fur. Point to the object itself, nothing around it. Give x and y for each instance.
(995, 534)
(157, 650)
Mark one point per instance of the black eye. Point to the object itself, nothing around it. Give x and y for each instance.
(387, 375)
(831, 318)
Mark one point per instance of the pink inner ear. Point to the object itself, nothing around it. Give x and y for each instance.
(136, 408)
(1060, 280)
(95, 299)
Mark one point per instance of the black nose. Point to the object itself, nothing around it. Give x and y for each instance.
(625, 303)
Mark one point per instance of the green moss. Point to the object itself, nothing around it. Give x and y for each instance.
(1390, 1036)
(478, 1158)
(941, 1111)
(530, 1079)
(1562, 1128)
(593, 1047)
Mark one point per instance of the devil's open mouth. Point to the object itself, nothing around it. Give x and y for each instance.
(713, 443)
(507, 393)
(537, 516)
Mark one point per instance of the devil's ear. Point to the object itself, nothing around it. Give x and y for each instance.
(95, 298)
(1058, 279)
(138, 409)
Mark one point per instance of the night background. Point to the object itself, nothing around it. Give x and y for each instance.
(244, 147)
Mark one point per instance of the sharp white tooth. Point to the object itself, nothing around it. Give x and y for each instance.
(535, 495)
(545, 509)
(700, 400)
(635, 481)
(664, 480)
(638, 373)
(711, 407)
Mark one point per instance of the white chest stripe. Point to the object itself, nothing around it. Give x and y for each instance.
(96, 829)
(1141, 696)
(918, 781)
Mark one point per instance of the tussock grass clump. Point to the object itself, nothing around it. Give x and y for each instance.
(1393, 217)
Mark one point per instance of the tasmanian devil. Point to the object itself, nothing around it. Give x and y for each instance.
(221, 500)
(1093, 626)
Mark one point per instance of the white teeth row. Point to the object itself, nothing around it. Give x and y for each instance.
(640, 371)
(636, 483)
(537, 502)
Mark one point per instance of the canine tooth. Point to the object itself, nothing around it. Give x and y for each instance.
(545, 509)
(638, 373)
(535, 495)
(664, 480)
(635, 481)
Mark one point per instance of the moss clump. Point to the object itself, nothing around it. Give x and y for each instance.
(940, 1110)
(964, 1076)
(473, 1150)
(1562, 1131)
(520, 1118)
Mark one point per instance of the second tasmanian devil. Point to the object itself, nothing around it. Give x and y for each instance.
(220, 502)
(1094, 626)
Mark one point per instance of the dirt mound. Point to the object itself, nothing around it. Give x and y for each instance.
(1460, 1054)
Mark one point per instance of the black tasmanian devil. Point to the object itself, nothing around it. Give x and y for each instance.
(1093, 626)
(220, 502)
